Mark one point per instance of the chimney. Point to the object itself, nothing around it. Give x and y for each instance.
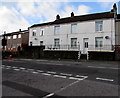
(20, 30)
(72, 14)
(58, 17)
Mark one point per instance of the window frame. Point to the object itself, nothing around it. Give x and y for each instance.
(56, 30)
(99, 26)
(73, 30)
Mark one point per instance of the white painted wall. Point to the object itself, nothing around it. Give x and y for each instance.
(85, 29)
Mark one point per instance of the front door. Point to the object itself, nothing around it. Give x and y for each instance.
(85, 45)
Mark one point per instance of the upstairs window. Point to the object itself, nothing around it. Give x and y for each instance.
(99, 26)
(56, 29)
(73, 28)
(14, 36)
(41, 32)
(19, 36)
(33, 33)
(8, 37)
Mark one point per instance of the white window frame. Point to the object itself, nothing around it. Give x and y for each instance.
(73, 42)
(14, 36)
(9, 37)
(41, 32)
(73, 28)
(98, 26)
(98, 42)
(19, 35)
(57, 43)
(56, 30)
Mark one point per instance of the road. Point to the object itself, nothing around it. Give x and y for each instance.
(46, 79)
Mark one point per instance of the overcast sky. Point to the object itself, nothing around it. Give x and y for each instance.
(22, 14)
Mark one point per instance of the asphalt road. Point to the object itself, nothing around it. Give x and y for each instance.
(46, 79)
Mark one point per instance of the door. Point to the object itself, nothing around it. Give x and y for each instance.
(85, 45)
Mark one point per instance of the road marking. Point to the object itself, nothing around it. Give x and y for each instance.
(49, 95)
(16, 69)
(46, 74)
(59, 76)
(9, 66)
(66, 74)
(82, 76)
(104, 79)
(51, 72)
(39, 71)
(35, 72)
(22, 68)
(3, 65)
(103, 67)
(75, 78)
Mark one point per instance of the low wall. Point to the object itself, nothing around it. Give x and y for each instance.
(61, 54)
(93, 55)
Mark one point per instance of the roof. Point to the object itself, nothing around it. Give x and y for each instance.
(15, 33)
(104, 15)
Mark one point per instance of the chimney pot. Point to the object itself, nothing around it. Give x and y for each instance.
(72, 14)
(58, 17)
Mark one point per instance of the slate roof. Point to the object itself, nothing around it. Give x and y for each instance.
(104, 15)
(15, 33)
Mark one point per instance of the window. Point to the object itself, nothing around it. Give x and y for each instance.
(30, 43)
(86, 44)
(14, 36)
(33, 33)
(99, 42)
(57, 43)
(41, 32)
(73, 28)
(56, 29)
(19, 36)
(8, 37)
(73, 42)
(99, 26)
(41, 43)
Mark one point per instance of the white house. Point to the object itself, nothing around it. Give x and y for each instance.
(91, 32)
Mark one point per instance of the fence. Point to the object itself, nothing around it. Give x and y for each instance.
(62, 47)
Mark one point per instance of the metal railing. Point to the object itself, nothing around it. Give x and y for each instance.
(62, 47)
(101, 48)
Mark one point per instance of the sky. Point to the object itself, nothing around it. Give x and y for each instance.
(21, 14)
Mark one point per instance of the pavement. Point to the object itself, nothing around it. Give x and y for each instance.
(48, 78)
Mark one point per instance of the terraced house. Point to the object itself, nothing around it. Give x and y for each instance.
(89, 36)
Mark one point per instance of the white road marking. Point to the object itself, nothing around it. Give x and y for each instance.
(49, 95)
(103, 67)
(16, 69)
(46, 74)
(35, 72)
(22, 68)
(3, 65)
(51, 72)
(59, 76)
(82, 76)
(39, 71)
(66, 74)
(8, 66)
(104, 79)
(76, 78)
